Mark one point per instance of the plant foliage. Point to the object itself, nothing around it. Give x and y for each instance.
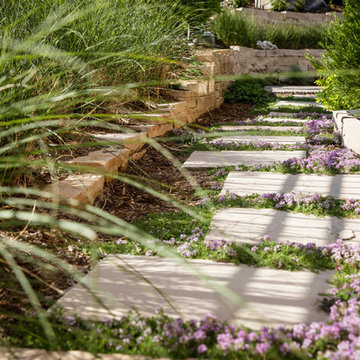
(235, 28)
(340, 65)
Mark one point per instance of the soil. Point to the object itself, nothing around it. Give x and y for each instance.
(124, 201)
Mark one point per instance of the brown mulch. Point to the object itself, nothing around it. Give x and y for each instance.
(127, 202)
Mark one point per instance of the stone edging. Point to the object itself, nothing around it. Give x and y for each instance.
(195, 98)
(349, 127)
(293, 17)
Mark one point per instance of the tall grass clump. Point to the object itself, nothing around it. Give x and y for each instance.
(133, 37)
(340, 64)
(61, 62)
(235, 28)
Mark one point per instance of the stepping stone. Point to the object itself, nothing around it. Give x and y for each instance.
(250, 226)
(297, 103)
(282, 140)
(304, 96)
(289, 116)
(277, 119)
(212, 159)
(337, 186)
(299, 90)
(134, 141)
(256, 127)
(265, 296)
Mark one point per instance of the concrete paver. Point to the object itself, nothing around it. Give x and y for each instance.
(273, 297)
(337, 186)
(211, 159)
(250, 226)
(283, 140)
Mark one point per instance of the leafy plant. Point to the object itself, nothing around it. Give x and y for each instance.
(249, 91)
(299, 5)
(235, 28)
(279, 5)
(339, 67)
(240, 3)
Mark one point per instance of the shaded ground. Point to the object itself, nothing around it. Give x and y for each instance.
(124, 201)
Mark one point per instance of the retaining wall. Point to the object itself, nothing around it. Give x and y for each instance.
(270, 16)
(194, 98)
(349, 127)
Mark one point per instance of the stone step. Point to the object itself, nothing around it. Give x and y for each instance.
(295, 90)
(256, 128)
(250, 226)
(272, 297)
(282, 140)
(310, 97)
(108, 159)
(297, 103)
(212, 159)
(337, 186)
(134, 141)
(83, 188)
(288, 118)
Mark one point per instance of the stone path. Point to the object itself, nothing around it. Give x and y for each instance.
(297, 103)
(250, 226)
(294, 90)
(288, 118)
(337, 186)
(273, 297)
(285, 116)
(283, 140)
(234, 128)
(211, 159)
(259, 296)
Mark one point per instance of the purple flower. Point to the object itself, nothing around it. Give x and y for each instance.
(201, 348)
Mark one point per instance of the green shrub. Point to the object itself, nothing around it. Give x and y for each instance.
(235, 28)
(248, 91)
(143, 37)
(194, 12)
(340, 65)
(279, 5)
(299, 5)
(240, 3)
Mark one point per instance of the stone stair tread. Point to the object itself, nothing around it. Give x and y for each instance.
(257, 127)
(107, 158)
(211, 159)
(298, 103)
(273, 297)
(282, 140)
(337, 186)
(133, 141)
(288, 117)
(81, 187)
(291, 116)
(250, 226)
(292, 89)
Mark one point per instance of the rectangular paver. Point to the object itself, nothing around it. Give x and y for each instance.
(273, 297)
(281, 119)
(293, 89)
(257, 127)
(337, 186)
(297, 103)
(289, 116)
(250, 226)
(283, 140)
(211, 159)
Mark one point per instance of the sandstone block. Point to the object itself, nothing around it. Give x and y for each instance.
(134, 141)
(83, 188)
